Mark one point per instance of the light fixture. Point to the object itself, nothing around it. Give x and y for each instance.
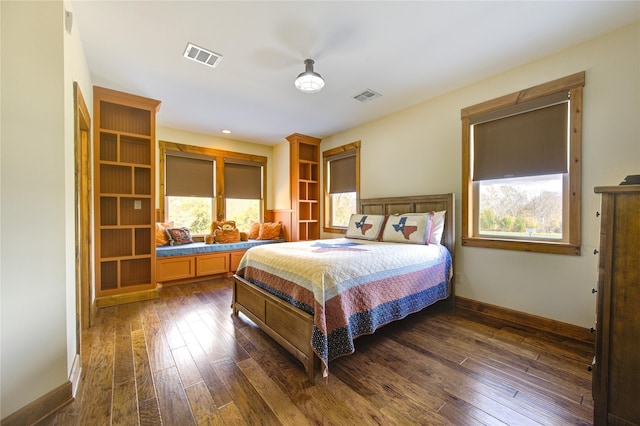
(309, 81)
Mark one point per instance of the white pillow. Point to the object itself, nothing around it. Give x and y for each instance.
(412, 228)
(365, 226)
(437, 227)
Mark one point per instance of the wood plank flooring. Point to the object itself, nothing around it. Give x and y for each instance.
(184, 359)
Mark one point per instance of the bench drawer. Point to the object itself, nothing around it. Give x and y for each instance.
(175, 268)
(212, 264)
(236, 256)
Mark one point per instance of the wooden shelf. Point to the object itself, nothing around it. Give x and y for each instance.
(305, 186)
(124, 139)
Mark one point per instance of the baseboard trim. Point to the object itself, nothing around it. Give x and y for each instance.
(533, 321)
(120, 299)
(41, 407)
(76, 373)
(93, 311)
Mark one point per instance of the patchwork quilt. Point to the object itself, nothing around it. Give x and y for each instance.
(351, 287)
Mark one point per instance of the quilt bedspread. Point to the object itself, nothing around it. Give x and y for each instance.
(351, 287)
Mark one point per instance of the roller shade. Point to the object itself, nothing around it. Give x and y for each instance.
(342, 172)
(523, 140)
(189, 177)
(242, 179)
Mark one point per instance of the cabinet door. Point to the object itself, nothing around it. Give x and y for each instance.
(236, 257)
(217, 263)
(175, 268)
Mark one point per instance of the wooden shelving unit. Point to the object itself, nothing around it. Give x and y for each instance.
(305, 186)
(124, 188)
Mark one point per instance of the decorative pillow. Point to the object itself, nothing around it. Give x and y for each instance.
(254, 231)
(412, 228)
(365, 226)
(270, 231)
(161, 236)
(178, 236)
(437, 227)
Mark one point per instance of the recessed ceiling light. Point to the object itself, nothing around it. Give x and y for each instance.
(226, 132)
(204, 56)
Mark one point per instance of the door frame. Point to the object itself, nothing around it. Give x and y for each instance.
(85, 300)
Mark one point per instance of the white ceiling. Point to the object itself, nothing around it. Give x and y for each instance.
(407, 51)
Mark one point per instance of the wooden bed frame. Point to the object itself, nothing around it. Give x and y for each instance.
(292, 327)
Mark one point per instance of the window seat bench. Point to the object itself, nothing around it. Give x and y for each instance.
(177, 264)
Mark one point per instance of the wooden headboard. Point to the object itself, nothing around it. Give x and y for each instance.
(417, 204)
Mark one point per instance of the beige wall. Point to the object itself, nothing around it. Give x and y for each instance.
(281, 191)
(418, 151)
(38, 337)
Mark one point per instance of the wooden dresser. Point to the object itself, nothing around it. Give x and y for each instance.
(616, 372)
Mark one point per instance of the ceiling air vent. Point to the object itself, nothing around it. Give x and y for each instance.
(367, 96)
(203, 56)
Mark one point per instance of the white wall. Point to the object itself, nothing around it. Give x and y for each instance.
(418, 151)
(168, 134)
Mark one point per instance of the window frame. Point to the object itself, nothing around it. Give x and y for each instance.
(353, 146)
(218, 156)
(571, 181)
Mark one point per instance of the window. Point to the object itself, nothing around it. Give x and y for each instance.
(521, 169)
(198, 185)
(190, 191)
(243, 191)
(342, 186)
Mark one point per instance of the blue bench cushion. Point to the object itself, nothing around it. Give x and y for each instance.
(202, 248)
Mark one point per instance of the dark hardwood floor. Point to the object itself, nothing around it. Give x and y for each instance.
(183, 359)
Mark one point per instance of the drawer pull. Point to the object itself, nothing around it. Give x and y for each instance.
(589, 368)
(592, 329)
(593, 290)
(595, 251)
(597, 214)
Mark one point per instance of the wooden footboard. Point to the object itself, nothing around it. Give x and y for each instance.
(287, 325)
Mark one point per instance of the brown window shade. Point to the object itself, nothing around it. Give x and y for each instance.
(242, 180)
(530, 143)
(189, 177)
(342, 173)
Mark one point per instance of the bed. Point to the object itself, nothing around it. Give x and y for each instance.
(304, 297)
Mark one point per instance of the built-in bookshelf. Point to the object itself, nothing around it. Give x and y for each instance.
(305, 186)
(124, 190)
